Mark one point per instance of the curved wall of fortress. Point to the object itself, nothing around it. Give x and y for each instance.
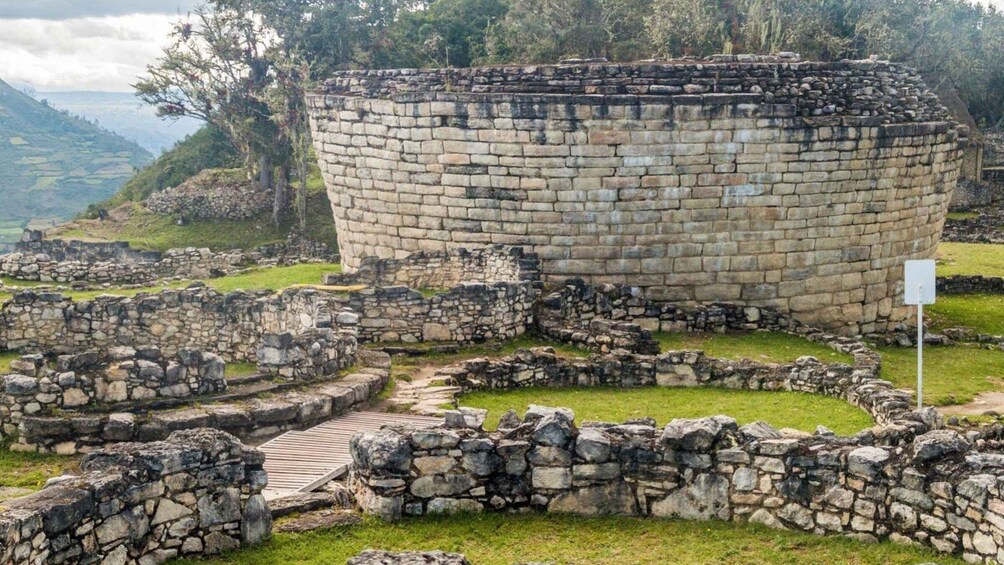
(802, 186)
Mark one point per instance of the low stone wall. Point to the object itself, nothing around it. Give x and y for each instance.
(970, 284)
(33, 242)
(40, 267)
(468, 313)
(577, 304)
(230, 325)
(92, 380)
(291, 407)
(212, 195)
(988, 227)
(934, 490)
(308, 355)
(197, 493)
(445, 269)
(858, 385)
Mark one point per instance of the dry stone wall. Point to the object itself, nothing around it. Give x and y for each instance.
(800, 186)
(230, 325)
(92, 380)
(444, 270)
(33, 242)
(212, 195)
(935, 489)
(197, 493)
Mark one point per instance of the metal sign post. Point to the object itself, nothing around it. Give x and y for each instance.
(919, 289)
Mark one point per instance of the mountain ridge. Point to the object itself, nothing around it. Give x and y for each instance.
(52, 164)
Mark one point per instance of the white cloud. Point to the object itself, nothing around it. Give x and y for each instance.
(105, 53)
(69, 9)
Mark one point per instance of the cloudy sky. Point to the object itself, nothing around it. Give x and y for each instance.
(102, 45)
(98, 45)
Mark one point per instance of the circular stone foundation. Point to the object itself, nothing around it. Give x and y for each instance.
(800, 186)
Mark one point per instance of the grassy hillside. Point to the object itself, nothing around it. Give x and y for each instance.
(133, 223)
(53, 165)
(207, 148)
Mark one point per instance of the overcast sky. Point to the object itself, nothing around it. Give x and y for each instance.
(99, 45)
(83, 44)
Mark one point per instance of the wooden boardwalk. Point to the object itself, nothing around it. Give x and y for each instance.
(301, 461)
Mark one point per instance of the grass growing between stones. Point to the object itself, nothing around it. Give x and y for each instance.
(498, 539)
(780, 409)
(267, 278)
(764, 347)
(29, 471)
(5, 358)
(962, 215)
(240, 369)
(952, 374)
(979, 312)
(985, 259)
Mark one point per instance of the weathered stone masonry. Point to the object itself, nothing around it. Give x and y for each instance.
(197, 493)
(799, 186)
(936, 489)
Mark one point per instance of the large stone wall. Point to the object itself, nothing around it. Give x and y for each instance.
(34, 242)
(197, 493)
(934, 490)
(798, 186)
(230, 325)
(444, 270)
(468, 313)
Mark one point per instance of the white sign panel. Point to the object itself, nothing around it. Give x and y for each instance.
(919, 287)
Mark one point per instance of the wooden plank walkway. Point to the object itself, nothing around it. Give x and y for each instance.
(302, 461)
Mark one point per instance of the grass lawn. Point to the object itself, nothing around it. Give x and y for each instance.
(270, 278)
(275, 278)
(962, 215)
(499, 539)
(970, 259)
(952, 374)
(771, 347)
(780, 409)
(980, 312)
(31, 470)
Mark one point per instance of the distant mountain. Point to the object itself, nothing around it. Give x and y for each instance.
(126, 115)
(52, 165)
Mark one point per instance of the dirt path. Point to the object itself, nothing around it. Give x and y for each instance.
(983, 403)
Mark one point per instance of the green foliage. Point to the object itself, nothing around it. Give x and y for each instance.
(763, 347)
(780, 409)
(207, 148)
(52, 164)
(503, 539)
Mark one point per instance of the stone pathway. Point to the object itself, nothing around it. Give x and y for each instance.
(427, 394)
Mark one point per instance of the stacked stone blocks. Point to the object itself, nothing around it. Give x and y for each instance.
(800, 186)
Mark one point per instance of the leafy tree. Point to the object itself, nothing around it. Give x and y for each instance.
(548, 30)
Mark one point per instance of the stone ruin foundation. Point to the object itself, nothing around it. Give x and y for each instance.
(799, 186)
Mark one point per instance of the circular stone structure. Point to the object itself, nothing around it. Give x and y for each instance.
(801, 186)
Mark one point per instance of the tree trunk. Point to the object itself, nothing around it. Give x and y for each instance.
(302, 200)
(264, 172)
(279, 204)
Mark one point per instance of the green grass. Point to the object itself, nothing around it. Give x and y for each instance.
(780, 409)
(5, 358)
(31, 470)
(144, 230)
(268, 278)
(979, 312)
(770, 347)
(275, 278)
(240, 369)
(970, 259)
(499, 539)
(952, 374)
(962, 215)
